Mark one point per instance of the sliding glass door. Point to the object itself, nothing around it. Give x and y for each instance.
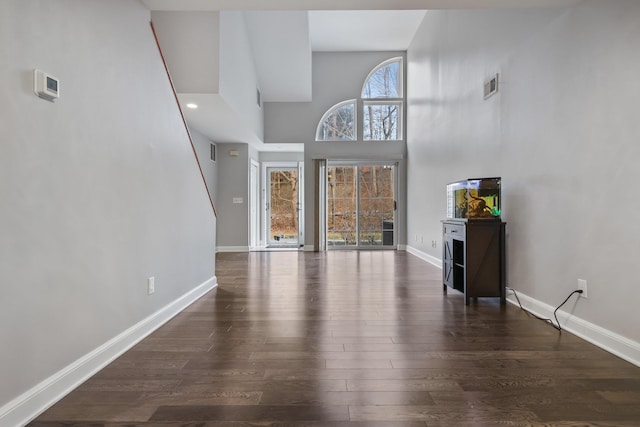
(360, 204)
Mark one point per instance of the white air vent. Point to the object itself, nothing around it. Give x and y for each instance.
(491, 86)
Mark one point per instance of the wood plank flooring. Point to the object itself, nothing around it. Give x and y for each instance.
(350, 338)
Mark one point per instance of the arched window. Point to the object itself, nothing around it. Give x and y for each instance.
(384, 81)
(382, 102)
(338, 123)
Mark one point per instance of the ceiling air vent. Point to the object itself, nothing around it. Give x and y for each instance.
(491, 86)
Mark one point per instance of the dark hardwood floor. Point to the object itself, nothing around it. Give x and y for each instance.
(351, 338)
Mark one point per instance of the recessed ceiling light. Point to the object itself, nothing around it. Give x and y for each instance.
(192, 105)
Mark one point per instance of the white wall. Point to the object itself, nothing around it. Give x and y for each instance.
(99, 190)
(192, 70)
(563, 134)
(282, 52)
(211, 61)
(278, 156)
(238, 78)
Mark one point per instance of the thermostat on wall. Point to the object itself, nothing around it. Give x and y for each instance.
(45, 85)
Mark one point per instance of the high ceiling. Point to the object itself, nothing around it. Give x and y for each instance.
(327, 25)
(363, 30)
(289, 37)
(288, 31)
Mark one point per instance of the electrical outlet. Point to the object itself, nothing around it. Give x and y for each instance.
(433, 243)
(151, 285)
(416, 237)
(421, 239)
(582, 285)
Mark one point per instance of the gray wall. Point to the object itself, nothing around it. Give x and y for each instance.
(99, 190)
(336, 77)
(202, 145)
(562, 132)
(233, 172)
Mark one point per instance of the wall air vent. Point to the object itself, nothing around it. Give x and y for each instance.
(212, 152)
(491, 86)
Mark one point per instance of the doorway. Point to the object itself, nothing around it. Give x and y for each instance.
(283, 193)
(360, 205)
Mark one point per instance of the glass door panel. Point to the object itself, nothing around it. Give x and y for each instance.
(283, 206)
(360, 205)
(341, 206)
(376, 205)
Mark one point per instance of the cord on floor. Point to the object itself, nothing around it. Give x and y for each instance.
(549, 321)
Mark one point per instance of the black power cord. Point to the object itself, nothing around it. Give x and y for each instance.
(549, 321)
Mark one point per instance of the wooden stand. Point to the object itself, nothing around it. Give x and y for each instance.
(473, 258)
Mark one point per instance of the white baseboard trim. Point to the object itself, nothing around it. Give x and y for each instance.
(425, 256)
(232, 249)
(607, 340)
(616, 344)
(38, 399)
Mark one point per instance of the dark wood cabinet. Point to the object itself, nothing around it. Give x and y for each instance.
(473, 258)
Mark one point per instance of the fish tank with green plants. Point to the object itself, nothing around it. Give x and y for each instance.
(475, 198)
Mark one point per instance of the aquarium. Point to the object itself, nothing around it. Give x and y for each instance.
(477, 198)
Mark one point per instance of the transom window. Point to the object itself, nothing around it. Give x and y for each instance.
(382, 100)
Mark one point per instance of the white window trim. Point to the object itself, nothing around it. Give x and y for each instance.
(399, 102)
(399, 59)
(331, 110)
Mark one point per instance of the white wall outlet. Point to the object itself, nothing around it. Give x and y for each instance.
(582, 285)
(151, 285)
(434, 243)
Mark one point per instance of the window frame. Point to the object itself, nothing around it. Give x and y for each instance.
(354, 103)
(399, 102)
(362, 103)
(383, 64)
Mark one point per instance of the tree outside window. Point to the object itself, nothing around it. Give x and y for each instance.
(382, 121)
(338, 123)
(382, 100)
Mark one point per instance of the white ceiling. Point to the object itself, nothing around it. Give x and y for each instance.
(288, 31)
(289, 37)
(363, 30)
(349, 4)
